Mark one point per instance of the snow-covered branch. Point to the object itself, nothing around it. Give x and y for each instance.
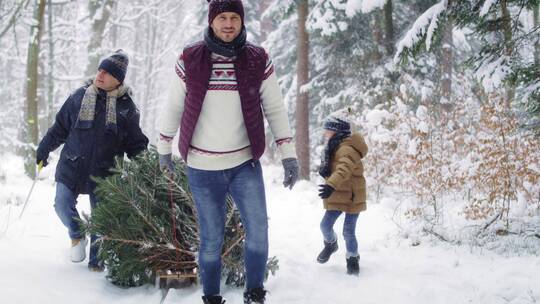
(423, 28)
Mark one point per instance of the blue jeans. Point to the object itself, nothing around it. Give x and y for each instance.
(65, 204)
(349, 228)
(246, 186)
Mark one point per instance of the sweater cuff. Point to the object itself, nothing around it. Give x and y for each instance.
(286, 148)
(164, 144)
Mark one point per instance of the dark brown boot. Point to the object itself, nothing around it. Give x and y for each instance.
(255, 296)
(353, 266)
(327, 251)
(213, 300)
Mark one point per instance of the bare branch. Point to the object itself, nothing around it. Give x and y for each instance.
(14, 17)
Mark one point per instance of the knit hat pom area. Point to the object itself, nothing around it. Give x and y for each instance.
(116, 64)
(339, 120)
(217, 7)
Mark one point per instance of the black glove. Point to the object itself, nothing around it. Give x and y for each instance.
(325, 191)
(41, 157)
(166, 163)
(290, 168)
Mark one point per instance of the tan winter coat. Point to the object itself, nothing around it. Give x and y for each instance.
(347, 176)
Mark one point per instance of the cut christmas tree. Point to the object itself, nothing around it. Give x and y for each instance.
(148, 227)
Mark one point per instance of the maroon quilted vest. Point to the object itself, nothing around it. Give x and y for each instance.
(249, 67)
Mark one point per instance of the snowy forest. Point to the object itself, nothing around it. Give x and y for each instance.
(445, 92)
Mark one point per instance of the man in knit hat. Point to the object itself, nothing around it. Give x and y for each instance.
(223, 89)
(98, 122)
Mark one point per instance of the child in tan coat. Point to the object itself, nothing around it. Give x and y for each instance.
(345, 187)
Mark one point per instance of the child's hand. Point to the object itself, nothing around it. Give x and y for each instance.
(325, 191)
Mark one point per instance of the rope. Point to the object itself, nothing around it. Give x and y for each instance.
(173, 220)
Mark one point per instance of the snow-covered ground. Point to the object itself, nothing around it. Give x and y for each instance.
(35, 267)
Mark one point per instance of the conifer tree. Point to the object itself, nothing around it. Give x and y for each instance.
(504, 57)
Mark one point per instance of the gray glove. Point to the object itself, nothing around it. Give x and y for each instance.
(290, 166)
(166, 163)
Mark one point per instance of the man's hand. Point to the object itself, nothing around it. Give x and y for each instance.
(290, 167)
(41, 157)
(166, 163)
(325, 191)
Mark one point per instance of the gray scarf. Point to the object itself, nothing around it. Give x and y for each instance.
(227, 49)
(88, 107)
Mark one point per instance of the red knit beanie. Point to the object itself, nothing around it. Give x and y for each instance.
(217, 7)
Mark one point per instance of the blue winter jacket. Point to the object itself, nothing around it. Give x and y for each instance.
(91, 152)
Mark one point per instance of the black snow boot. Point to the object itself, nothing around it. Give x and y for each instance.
(327, 251)
(353, 266)
(213, 300)
(255, 296)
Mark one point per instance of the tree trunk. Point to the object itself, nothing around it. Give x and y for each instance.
(50, 82)
(377, 32)
(114, 28)
(31, 108)
(507, 27)
(447, 63)
(507, 32)
(302, 100)
(100, 12)
(266, 23)
(389, 47)
(389, 28)
(136, 62)
(536, 15)
(150, 67)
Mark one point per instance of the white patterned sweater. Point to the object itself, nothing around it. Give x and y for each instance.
(220, 139)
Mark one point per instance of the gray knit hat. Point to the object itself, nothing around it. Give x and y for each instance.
(339, 121)
(116, 65)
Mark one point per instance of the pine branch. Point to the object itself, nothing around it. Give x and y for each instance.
(240, 239)
(146, 220)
